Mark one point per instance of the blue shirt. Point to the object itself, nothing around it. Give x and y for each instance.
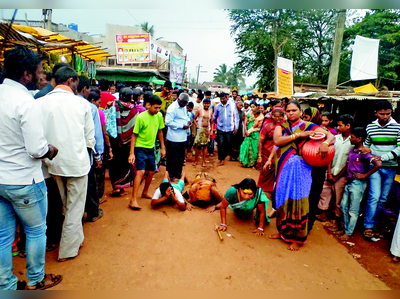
(191, 116)
(98, 131)
(45, 90)
(228, 117)
(175, 120)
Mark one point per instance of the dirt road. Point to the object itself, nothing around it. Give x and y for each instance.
(166, 249)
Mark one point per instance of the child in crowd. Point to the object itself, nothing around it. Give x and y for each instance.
(189, 109)
(211, 145)
(148, 126)
(357, 171)
(327, 119)
(335, 180)
(170, 192)
(202, 121)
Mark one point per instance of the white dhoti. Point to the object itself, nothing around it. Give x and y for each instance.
(73, 194)
(395, 248)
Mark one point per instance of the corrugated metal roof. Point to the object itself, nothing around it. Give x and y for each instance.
(50, 42)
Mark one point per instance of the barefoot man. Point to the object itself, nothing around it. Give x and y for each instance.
(149, 124)
(203, 192)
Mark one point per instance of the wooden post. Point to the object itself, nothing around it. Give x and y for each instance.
(334, 70)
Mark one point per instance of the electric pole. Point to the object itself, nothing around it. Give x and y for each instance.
(198, 73)
(47, 18)
(334, 69)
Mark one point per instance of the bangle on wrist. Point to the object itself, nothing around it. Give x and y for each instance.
(223, 224)
(261, 229)
(326, 142)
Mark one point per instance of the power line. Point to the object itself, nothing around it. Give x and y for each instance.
(342, 62)
(132, 16)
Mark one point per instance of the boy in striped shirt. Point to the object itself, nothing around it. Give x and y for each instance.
(383, 137)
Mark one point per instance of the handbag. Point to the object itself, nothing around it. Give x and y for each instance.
(111, 122)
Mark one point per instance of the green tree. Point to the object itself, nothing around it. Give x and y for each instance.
(304, 36)
(145, 26)
(261, 35)
(235, 77)
(221, 73)
(382, 24)
(313, 37)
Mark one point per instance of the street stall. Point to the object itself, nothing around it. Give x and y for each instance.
(80, 54)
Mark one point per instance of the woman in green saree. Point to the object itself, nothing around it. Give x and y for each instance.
(249, 148)
(243, 198)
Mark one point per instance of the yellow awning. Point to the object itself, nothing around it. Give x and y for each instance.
(366, 88)
(62, 45)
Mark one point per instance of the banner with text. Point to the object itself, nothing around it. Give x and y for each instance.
(177, 68)
(285, 76)
(133, 48)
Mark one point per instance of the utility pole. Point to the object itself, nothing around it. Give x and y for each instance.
(47, 18)
(49, 12)
(198, 73)
(334, 69)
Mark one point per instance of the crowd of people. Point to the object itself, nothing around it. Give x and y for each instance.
(59, 140)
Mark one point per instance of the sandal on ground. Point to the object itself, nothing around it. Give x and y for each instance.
(21, 285)
(61, 260)
(396, 259)
(51, 247)
(344, 237)
(272, 214)
(115, 193)
(368, 233)
(49, 280)
(22, 253)
(338, 232)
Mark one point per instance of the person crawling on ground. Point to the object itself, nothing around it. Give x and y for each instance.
(170, 192)
(203, 193)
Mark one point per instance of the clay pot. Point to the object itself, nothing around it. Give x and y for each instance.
(310, 151)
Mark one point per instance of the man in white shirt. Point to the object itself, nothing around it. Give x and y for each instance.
(69, 125)
(23, 192)
(178, 122)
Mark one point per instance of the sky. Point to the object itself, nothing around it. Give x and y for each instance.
(204, 34)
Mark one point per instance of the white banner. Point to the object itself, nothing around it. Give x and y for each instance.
(285, 64)
(364, 61)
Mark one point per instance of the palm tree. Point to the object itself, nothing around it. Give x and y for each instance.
(145, 26)
(234, 77)
(221, 73)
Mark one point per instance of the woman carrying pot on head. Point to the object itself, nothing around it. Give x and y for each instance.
(293, 176)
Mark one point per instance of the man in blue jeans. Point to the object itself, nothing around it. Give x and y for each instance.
(23, 192)
(383, 137)
(227, 118)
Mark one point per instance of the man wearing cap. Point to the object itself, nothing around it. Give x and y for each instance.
(165, 96)
(227, 119)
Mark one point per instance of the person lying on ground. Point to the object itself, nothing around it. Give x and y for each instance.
(243, 198)
(203, 193)
(170, 192)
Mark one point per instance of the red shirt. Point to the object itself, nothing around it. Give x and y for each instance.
(105, 98)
